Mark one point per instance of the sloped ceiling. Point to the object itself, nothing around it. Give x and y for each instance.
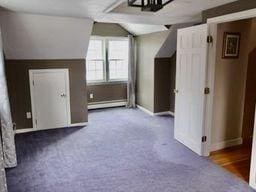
(169, 46)
(141, 29)
(115, 11)
(29, 36)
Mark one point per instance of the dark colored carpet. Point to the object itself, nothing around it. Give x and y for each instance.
(121, 150)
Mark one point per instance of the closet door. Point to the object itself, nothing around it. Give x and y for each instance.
(50, 98)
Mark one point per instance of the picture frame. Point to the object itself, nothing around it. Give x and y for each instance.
(231, 45)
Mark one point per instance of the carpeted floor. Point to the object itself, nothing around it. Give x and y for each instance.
(121, 150)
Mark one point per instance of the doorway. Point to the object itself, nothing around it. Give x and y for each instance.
(234, 99)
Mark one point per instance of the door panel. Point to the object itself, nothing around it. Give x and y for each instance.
(50, 103)
(190, 83)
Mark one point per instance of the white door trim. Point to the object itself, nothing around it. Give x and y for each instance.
(253, 159)
(31, 73)
(210, 82)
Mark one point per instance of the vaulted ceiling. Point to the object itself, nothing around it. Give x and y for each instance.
(179, 11)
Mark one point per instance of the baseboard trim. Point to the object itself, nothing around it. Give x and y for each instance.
(145, 110)
(154, 114)
(27, 130)
(226, 144)
(107, 105)
(165, 113)
(78, 124)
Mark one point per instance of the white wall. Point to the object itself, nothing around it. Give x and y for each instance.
(28, 36)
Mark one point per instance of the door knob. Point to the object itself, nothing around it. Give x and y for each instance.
(176, 91)
(63, 95)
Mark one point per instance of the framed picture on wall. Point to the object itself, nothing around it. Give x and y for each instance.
(231, 45)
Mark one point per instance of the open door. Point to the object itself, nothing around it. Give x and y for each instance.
(191, 73)
(253, 159)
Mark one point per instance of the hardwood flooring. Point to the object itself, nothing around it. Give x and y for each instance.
(235, 159)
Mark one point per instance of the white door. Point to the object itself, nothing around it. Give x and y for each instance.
(253, 159)
(50, 98)
(190, 87)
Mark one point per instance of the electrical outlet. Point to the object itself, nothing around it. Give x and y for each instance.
(91, 95)
(28, 115)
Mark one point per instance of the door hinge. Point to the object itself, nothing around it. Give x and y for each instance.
(206, 90)
(33, 82)
(209, 39)
(36, 121)
(204, 139)
(175, 90)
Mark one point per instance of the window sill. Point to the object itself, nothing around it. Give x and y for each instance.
(106, 83)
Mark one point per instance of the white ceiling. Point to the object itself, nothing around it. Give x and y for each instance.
(179, 11)
(141, 29)
(117, 11)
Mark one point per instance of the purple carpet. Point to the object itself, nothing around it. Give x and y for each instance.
(121, 150)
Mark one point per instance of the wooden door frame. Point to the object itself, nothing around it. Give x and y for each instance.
(31, 73)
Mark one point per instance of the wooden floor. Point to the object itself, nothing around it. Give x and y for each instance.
(235, 159)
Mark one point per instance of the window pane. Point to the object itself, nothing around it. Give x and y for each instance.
(94, 61)
(95, 50)
(94, 70)
(118, 49)
(118, 59)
